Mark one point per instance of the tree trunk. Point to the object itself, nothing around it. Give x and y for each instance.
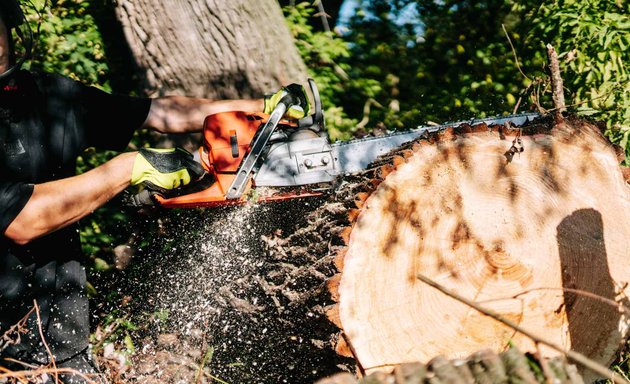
(214, 49)
(538, 236)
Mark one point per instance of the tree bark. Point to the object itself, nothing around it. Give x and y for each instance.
(214, 49)
(485, 366)
(557, 85)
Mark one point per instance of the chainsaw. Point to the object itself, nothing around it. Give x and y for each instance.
(264, 157)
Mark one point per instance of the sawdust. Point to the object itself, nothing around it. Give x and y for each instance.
(218, 288)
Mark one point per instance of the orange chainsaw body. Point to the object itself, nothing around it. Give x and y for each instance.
(227, 138)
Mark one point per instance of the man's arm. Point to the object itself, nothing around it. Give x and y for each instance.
(180, 114)
(56, 204)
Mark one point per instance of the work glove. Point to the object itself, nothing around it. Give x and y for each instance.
(297, 93)
(166, 171)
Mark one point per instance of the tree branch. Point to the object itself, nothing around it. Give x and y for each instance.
(576, 356)
(557, 86)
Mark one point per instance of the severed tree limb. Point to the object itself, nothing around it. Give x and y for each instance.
(576, 356)
(556, 82)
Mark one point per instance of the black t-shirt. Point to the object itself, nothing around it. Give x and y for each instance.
(46, 121)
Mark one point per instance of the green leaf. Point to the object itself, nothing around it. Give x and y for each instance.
(129, 344)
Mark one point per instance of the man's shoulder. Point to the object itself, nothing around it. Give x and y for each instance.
(46, 80)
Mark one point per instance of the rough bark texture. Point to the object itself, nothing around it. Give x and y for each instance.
(485, 366)
(215, 49)
(557, 85)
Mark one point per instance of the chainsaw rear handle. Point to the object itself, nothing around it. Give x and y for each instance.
(257, 148)
(316, 120)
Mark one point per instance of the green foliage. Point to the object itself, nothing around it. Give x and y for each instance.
(593, 38)
(68, 40)
(322, 52)
(454, 60)
(404, 71)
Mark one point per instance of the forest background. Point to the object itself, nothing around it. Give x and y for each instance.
(385, 65)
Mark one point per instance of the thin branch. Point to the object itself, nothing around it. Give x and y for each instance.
(622, 308)
(518, 65)
(576, 356)
(18, 328)
(547, 373)
(605, 94)
(557, 86)
(40, 371)
(35, 371)
(323, 15)
(41, 334)
(366, 112)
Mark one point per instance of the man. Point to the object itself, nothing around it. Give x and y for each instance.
(46, 121)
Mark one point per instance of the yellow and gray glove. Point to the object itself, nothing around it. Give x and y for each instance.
(165, 171)
(296, 92)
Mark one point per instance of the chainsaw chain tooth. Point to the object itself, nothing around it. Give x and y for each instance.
(447, 134)
(407, 153)
(481, 127)
(418, 145)
(398, 160)
(464, 128)
(375, 183)
(385, 170)
(359, 198)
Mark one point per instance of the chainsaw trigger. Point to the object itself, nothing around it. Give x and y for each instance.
(234, 143)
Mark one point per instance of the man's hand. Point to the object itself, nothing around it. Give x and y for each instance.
(165, 170)
(296, 92)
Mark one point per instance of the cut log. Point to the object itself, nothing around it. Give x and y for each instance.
(538, 235)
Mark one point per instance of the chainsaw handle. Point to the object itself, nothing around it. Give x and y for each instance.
(256, 150)
(316, 120)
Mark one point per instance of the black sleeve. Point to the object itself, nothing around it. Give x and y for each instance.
(92, 117)
(111, 119)
(13, 197)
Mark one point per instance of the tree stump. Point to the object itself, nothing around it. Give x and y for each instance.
(538, 235)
